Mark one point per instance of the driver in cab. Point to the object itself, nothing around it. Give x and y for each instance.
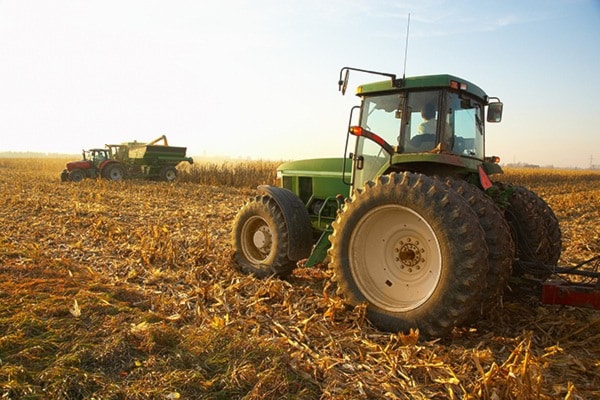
(425, 139)
(429, 124)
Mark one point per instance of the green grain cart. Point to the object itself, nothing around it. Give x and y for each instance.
(409, 220)
(128, 160)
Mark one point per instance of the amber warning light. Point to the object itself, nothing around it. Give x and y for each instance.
(493, 159)
(358, 131)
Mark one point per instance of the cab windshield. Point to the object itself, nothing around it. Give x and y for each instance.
(431, 121)
(428, 121)
(95, 156)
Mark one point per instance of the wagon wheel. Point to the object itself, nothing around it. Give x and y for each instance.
(168, 173)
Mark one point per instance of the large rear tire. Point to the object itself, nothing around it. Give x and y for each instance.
(497, 237)
(115, 172)
(411, 249)
(536, 231)
(261, 240)
(553, 233)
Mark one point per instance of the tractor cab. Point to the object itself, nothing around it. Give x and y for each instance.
(420, 124)
(90, 159)
(96, 156)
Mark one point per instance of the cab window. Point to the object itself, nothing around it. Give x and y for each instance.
(465, 115)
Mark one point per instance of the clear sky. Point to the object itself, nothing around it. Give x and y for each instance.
(258, 78)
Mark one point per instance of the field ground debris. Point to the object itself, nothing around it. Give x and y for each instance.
(127, 290)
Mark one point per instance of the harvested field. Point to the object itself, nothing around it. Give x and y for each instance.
(127, 290)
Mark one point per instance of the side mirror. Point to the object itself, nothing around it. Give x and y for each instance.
(343, 83)
(494, 113)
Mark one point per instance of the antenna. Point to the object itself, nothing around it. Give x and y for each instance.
(406, 47)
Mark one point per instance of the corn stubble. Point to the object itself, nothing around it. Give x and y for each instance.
(127, 290)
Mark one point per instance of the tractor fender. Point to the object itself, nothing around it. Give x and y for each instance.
(106, 163)
(296, 218)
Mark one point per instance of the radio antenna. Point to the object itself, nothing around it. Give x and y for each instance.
(406, 47)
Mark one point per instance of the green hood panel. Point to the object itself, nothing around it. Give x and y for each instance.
(319, 177)
(331, 167)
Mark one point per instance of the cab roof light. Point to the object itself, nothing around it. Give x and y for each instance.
(458, 85)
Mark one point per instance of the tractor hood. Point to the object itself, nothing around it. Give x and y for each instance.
(82, 164)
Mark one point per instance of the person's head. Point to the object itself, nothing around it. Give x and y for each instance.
(428, 111)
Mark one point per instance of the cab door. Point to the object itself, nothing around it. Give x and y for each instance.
(381, 115)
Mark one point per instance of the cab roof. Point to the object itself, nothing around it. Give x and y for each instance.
(421, 82)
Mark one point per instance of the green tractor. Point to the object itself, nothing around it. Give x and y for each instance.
(409, 220)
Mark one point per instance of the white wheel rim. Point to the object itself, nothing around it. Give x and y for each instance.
(116, 174)
(170, 175)
(395, 258)
(256, 240)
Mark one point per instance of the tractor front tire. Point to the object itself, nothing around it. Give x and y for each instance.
(76, 175)
(261, 240)
(413, 250)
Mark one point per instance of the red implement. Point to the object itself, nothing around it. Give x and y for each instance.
(571, 294)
